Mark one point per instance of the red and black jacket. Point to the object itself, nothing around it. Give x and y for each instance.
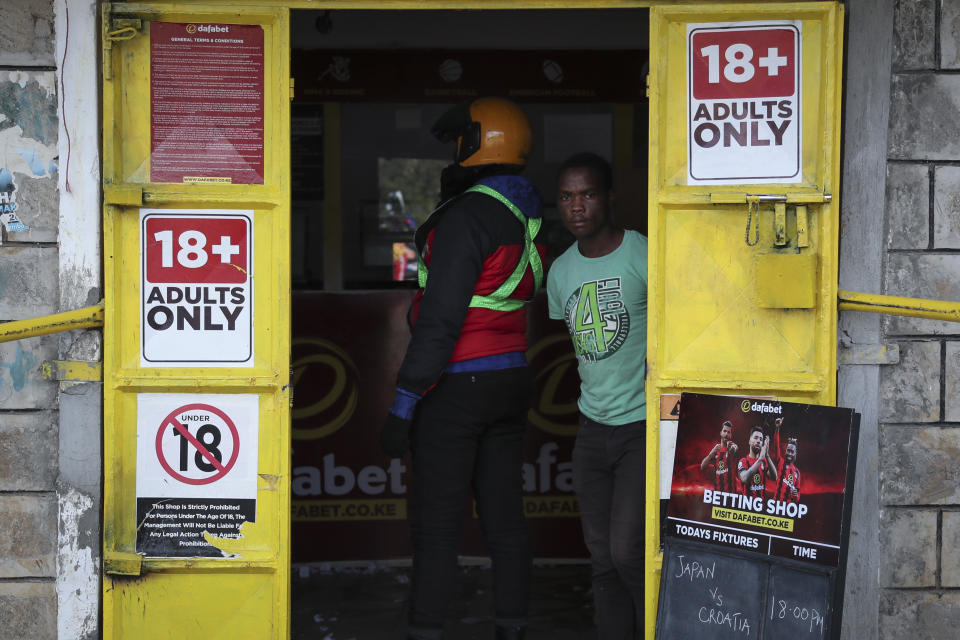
(471, 244)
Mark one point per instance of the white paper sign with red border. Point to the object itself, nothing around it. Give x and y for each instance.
(197, 445)
(196, 288)
(743, 103)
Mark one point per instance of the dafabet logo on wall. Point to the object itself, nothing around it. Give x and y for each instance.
(557, 383)
(329, 369)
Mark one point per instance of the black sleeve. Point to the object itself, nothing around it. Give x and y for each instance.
(461, 242)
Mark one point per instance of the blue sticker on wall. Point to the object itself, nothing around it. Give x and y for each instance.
(8, 203)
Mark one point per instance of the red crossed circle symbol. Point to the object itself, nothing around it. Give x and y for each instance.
(171, 420)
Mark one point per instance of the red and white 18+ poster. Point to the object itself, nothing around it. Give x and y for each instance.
(743, 103)
(196, 294)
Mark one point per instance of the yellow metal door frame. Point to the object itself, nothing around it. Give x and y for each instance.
(243, 593)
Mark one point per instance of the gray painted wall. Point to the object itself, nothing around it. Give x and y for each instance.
(866, 109)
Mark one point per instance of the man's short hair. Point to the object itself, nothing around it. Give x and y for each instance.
(756, 427)
(588, 160)
(792, 441)
(727, 423)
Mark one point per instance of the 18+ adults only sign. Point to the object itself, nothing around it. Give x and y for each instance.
(196, 288)
(743, 103)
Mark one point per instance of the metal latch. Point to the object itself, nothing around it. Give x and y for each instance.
(798, 197)
(115, 29)
(123, 29)
(803, 227)
(780, 201)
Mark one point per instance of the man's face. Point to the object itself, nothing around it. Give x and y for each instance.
(756, 442)
(790, 454)
(725, 434)
(583, 202)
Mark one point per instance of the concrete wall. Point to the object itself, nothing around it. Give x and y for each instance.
(49, 261)
(29, 286)
(80, 469)
(919, 559)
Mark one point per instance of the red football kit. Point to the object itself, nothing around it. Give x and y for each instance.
(755, 486)
(723, 474)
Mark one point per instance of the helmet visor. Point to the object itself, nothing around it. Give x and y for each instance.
(456, 124)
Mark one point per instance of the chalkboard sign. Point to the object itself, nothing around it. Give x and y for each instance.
(724, 595)
(755, 537)
(798, 604)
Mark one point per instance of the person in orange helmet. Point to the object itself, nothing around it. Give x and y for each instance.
(464, 388)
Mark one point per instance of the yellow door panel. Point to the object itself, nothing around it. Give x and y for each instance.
(743, 212)
(152, 606)
(197, 329)
(705, 299)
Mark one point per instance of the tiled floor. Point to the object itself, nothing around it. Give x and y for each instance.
(369, 603)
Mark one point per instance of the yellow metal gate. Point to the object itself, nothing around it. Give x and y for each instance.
(197, 329)
(743, 210)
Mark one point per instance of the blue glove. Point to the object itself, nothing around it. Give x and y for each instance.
(395, 433)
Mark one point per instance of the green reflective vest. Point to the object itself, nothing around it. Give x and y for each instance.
(500, 299)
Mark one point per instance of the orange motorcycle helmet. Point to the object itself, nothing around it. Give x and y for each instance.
(487, 131)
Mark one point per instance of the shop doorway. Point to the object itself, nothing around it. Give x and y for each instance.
(719, 322)
(365, 171)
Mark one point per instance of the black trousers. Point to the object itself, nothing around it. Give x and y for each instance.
(609, 475)
(468, 432)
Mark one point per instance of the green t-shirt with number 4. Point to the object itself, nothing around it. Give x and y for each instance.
(604, 303)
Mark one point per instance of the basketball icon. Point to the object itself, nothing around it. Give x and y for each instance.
(450, 70)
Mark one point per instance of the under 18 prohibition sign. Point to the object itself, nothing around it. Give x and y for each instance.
(197, 444)
(196, 470)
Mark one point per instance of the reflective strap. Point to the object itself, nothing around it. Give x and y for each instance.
(500, 300)
(421, 272)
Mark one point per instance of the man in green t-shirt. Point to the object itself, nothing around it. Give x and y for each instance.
(599, 288)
